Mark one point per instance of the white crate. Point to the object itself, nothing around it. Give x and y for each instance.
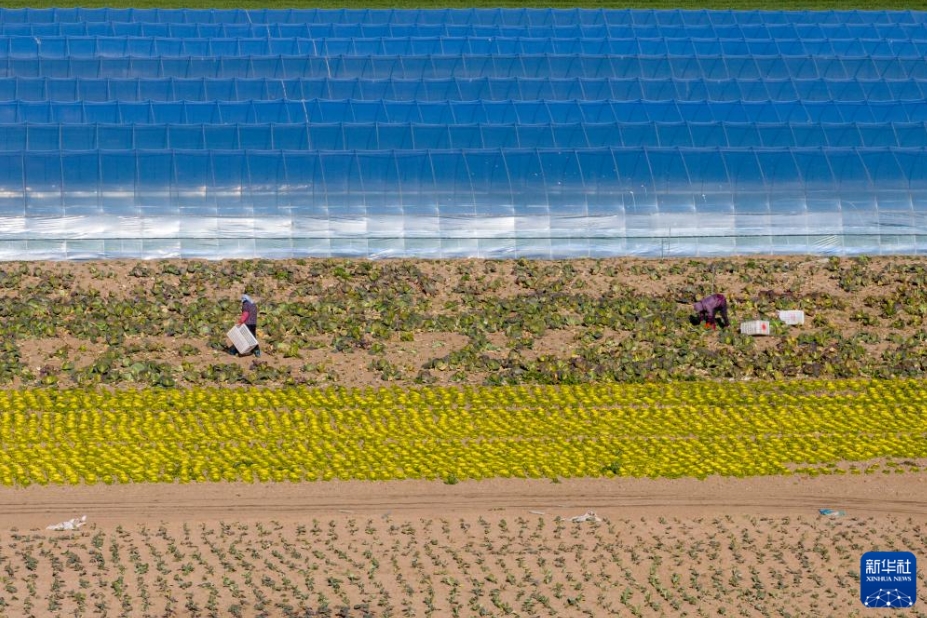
(754, 327)
(242, 338)
(794, 317)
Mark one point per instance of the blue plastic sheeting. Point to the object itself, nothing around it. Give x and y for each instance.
(460, 112)
(553, 66)
(487, 16)
(455, 203)
(315, 136)
(455, 180)
(149, 47)
(423, 136)
(457, 89)
(460, 132)
(811, 33)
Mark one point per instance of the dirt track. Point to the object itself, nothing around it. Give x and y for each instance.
(869, 495)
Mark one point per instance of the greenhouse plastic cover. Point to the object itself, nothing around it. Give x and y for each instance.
(460, 133)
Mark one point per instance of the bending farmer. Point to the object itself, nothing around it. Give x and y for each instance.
(707, 310)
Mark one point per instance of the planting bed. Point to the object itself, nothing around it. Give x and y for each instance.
(377, 323)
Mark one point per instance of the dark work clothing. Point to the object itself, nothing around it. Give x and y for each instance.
(253, 329)
(251, 321)
(252, 311)
(709, 307)
(249, 314)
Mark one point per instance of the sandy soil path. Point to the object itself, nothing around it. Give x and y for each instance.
(864, 495)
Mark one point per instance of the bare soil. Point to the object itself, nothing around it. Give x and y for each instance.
(746, 547)
(683, 547)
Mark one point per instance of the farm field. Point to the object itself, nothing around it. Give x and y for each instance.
(514, 362)
(446, 322)
(683, 547)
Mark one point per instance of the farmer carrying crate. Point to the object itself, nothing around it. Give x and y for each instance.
(248, 317)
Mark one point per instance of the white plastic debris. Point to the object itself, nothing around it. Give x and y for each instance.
(71, 524)
(587, 516)
(754, 327)
(794, 317)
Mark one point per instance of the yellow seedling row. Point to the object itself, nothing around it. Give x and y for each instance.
(693, 429)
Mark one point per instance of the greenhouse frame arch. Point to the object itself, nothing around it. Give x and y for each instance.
(460, 133)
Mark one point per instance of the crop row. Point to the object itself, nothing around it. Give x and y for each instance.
(163, 323)
(694, 429)
(489, 565)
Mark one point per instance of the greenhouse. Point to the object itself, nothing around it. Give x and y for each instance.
(460, 133)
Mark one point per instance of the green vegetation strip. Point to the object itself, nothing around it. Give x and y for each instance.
(300, 434)
(422, 323)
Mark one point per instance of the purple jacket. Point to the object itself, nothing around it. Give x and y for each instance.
(249, 313)
(710, 304)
